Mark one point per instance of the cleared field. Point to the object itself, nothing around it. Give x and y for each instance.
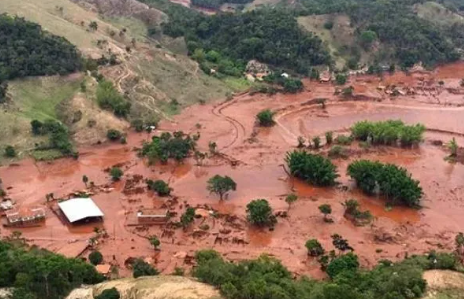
(437, 13)
(339, 39)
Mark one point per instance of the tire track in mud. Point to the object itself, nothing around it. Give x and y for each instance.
(292, 139)
(238, 128)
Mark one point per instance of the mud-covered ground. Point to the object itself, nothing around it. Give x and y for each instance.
(253, 157)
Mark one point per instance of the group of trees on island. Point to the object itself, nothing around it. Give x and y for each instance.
(176, 146)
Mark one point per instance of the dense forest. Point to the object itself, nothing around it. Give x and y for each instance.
(27, 50)
(269, 35)
(409, 39)
(37, 273)
(266, 277)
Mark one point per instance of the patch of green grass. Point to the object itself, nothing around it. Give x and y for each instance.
(46, 155)
(437, 14)
(37, 98)
(238, 84)
(135, 27)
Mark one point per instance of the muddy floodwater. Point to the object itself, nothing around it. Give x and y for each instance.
(254, 158)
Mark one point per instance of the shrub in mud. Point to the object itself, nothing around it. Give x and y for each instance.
(390, 132)
(160, 187)
(265, 118)
(314, 169)
(259, 213)
(176, 146)
(394, 182)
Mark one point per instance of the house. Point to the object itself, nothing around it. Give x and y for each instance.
(6, 205)
(325, 77)
(152, 216)
(80, 209)
(25, 217)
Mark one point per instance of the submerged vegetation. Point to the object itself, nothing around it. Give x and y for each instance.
(389, 180)
(314, 169)
(390, 132)
(176, 146)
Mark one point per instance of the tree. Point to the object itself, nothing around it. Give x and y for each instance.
(142, 268)
(3, 91)
(459, 241)
(259, 213)
(453, 147)
(113, 134)
(10, 151)
(265, 118)
(95, 258)
(93, 25)
(290, 199)
(314, 248)
(317, 142)
(340, 79)
(116, 173)
(221, 185)
(212, 148)
(199, 157)
(329, 137)
(155, 242)
(314, 169)
(340, 243)
(109, 294)
(188, 217)
(160, 187)
(301, 142)
(85, 180)
(345, 263)
(325, 209)
(368, 37)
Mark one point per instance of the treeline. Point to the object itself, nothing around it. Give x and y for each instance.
(266, 277)
(36, 273)
(215, 4)
(410, 38)
(27, 50)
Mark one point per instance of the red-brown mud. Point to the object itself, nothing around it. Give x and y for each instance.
(258, 155)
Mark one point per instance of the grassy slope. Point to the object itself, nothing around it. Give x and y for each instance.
(34, 98)
(443, 284)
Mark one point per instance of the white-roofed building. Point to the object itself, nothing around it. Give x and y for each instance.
(78, 209)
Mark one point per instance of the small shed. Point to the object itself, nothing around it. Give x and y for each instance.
(104, 269)
(80, 209)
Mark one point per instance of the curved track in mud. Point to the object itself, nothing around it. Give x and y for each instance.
(238, 128)
(291, 137)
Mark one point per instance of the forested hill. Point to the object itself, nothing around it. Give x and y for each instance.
(407, 39)
(27, 50)
(386, 31)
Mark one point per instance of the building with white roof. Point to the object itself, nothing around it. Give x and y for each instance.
(78, 209)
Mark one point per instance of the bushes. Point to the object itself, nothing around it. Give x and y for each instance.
(95, 258)
(176, 146)
(265, 278)
(388, 132)
(314, 248)
(10, 151)
(26, 268)
(265, 118)
(389, 180)
(113, 135)
(109, 294)
(116, 173)
(142, 268)
(259, 213)
(110, 99)
(160, 187)
(58, 135)
(314, 169)
(338, 151)
(343, 140)
(342, 264)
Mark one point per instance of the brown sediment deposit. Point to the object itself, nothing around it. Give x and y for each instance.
(253, 157)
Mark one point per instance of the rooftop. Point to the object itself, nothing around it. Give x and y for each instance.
(80, 208)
